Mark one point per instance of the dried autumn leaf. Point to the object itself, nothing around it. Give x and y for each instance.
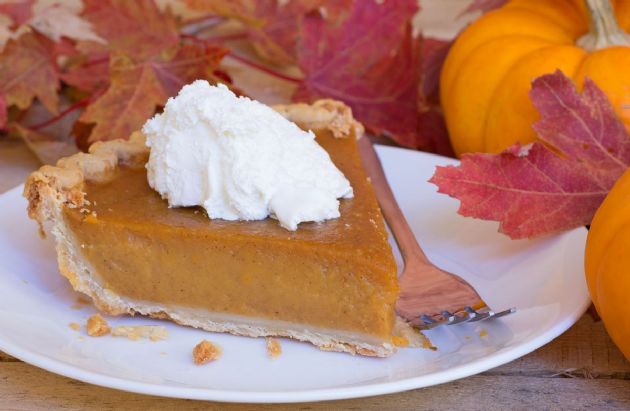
(46, 147)
(19, 11)
(538, 191)
(52, 18)
(137, 28)
(5, 30)
(431, 125)
(132, 97)
(88, 74)
(138, 87)
(179, 8)
(57, 19)
(191, 62)
(27, 70)
(48, 137)
(276, 39)
(242, 10)
(272, 25)
(371, 62)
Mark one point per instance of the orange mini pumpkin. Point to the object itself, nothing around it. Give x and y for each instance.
(487, 75)
(608, 261)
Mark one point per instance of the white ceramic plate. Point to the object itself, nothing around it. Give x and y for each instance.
(544, 279)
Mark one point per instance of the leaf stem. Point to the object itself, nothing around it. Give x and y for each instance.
(192, 38)
(248, 62)
(200, 23)
(263, 68)
(95, 62)
(206, 18)
(79, 104)
(227, 37)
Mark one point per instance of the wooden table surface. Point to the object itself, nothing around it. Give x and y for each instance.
(581, 369)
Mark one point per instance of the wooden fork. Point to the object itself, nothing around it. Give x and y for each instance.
(430, 296)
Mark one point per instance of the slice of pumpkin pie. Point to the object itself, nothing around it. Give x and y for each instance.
(332, 282)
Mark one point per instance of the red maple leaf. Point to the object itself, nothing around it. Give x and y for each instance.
(434, 52)
(19, 11)
(361, 52)
(28, 69)
(431, 125)
(371, 62)
(585, 129)
(432, 131)
(552, 186)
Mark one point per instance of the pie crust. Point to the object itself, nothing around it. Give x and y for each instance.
(53, 188)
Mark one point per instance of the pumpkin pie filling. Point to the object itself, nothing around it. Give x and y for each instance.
(331, 274)
(332, 279)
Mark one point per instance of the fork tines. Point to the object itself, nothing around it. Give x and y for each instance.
(468, 314)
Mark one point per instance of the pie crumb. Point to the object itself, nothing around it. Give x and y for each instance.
(400, 341)
(483, 333)
(151, 332)
(205, 351)
(274, 349)
(97, 326)
(75, 326)
(404, 332)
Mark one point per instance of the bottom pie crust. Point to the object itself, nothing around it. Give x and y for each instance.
(82, 278)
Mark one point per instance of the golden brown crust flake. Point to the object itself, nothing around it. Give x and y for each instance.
(136, 332)
(274, 349)
(97, 326)
(205, 351)
(323, 114)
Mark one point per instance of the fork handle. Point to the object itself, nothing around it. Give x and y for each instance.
(406, 240)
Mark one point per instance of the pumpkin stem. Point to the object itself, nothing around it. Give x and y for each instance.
(604, 29)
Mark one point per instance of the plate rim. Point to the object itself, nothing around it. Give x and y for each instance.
(368, 390)
(479, 365)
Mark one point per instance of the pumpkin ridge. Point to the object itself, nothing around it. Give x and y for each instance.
(612, 217)
(462, 51)
(505, 76)
(569, 9)
(599, 287)
(461, 86)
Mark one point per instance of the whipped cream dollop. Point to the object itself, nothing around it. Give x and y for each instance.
(240, 160)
